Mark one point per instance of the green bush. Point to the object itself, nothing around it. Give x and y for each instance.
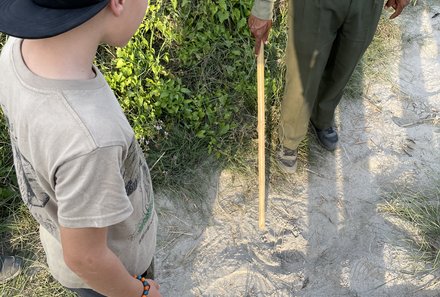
(189, 72)
(186, 68)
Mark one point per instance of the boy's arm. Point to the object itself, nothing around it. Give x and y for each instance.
(260, 21)
(87, 254)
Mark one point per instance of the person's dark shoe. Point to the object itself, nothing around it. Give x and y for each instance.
(10, 267)
(287, 160)
(328, 137)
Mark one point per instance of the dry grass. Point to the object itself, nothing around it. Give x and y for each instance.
(419, 212)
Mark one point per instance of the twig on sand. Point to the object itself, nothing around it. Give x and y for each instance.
(384, 283)
(374, 143)
(369, 100)
(345, 151)
(191, 251)
(360, 142)
(419, 122)
(316, 173)
(181, 233)
(406, 152)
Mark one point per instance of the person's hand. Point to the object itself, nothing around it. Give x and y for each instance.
(398, 6)
(260, 30)
(154, 289)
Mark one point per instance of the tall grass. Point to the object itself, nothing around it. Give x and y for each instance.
(419, 210)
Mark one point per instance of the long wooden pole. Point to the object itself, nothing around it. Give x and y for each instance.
(261, 139)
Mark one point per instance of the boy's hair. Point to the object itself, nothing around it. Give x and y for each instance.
(36, 19)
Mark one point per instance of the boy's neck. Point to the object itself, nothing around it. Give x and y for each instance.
(62, 57)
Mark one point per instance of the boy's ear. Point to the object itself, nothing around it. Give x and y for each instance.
(116, 6)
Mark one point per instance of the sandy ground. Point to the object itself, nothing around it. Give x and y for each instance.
(324, 234)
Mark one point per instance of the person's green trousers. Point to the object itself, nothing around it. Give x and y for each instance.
(326, 40)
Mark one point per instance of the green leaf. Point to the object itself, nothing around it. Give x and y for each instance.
(174, 4)
(201, 134)
(120, 63)
(222, 4)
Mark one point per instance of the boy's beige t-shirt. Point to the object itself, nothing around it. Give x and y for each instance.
(78, 164)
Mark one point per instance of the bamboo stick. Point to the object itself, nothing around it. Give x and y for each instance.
(261, 139)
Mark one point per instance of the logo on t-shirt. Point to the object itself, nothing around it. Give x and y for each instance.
(138, 182)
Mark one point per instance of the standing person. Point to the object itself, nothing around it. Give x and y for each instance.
(10, 267)
(80, 170)
(326, 40)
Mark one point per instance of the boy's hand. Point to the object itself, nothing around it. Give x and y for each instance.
(86, 253)
(154, 289)
(260, 30)
(398, 6)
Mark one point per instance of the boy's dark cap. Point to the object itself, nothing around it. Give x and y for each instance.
(35, 19)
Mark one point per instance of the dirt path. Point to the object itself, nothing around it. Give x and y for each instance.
(325, 236)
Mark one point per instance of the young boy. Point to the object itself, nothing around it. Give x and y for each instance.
(79, 167)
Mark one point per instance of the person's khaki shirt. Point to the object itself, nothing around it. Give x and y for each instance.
(263, 9)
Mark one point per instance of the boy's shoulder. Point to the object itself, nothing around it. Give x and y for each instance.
(80, 113)
(99, 112)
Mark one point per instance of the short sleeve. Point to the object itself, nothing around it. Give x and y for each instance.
(263, 9)
(90, 190)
